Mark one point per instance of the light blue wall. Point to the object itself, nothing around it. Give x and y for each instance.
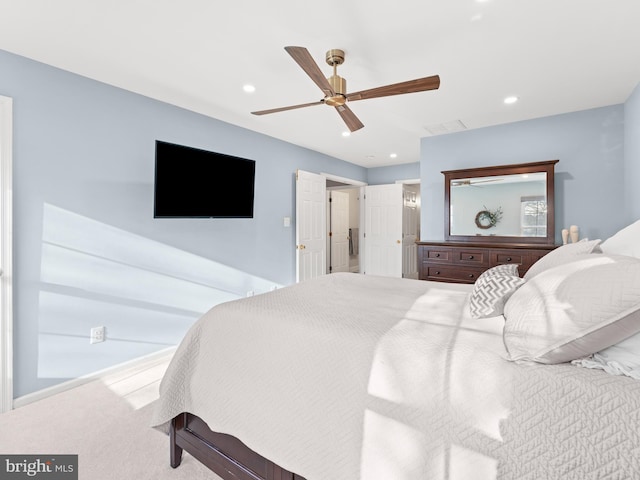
(385, 175)
(632, 155)
(87, 250)
(589, 176)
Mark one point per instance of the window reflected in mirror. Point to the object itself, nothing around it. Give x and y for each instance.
(533, 216)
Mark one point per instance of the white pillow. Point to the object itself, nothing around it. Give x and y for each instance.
(624, 242)
(561, 255)
(574, 310)
(623, 358)
(492, 289)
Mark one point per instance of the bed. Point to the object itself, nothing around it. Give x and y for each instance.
(351, 376)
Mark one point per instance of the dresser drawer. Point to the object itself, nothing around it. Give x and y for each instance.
(437, 255)
(471, 256)
(446, 273)
(499, 257)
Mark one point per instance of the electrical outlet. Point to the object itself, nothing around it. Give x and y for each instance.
(97, 335)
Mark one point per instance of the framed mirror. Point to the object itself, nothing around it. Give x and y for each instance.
(501, 204)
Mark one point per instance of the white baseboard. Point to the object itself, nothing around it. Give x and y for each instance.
(137, 363)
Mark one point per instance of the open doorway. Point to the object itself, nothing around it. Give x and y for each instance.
(343, 228)
(344, 224)
(346, 219)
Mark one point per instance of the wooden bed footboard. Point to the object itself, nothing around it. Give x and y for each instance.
(224, 454)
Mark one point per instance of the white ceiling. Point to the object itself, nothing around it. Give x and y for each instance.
(557, 56)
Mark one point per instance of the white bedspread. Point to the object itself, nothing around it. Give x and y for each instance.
(350, 377)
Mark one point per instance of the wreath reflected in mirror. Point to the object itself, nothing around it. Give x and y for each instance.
(487, 218)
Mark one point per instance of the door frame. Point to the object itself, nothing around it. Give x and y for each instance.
(6, 278)
(331, 202)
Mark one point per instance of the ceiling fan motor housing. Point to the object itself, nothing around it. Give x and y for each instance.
(339, 86)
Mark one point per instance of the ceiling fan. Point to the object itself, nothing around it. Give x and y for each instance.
(471, 182)
(335, 87)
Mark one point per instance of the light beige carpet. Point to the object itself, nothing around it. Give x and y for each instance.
(113, 440)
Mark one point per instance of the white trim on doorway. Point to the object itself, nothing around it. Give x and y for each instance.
(410, 181)
(6, 235)
(347, 181)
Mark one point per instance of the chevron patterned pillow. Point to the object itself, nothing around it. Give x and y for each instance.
(492, 289)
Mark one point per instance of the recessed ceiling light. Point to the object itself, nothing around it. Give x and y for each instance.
(249, 88)
(512, 99)
(346, 133)
(393, 155)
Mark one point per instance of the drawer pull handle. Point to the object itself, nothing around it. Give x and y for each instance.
(508, 259)
(470, 257)
(437, 272)
(437, 255)
(471, 275)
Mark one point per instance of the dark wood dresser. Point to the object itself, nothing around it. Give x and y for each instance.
(464, 262)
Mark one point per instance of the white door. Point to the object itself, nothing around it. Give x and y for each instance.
(339, 231)
(383, 230)
(410, 231)
(310, 225)
(6, 316)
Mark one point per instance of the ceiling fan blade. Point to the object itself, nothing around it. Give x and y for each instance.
(291, 107)
(302, 56)
(486, 181)
(412, 86)
(458, 183)
(349, 118)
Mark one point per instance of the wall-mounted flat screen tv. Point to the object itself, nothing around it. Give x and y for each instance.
(195, 183)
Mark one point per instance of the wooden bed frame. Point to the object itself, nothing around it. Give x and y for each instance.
(225, 455)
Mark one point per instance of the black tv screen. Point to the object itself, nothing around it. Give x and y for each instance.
(195, 183)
